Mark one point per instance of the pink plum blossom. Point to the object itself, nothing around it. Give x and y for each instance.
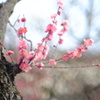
(9, 52)
(21, 30)
(88, 42)
(22, 44)
(25, 67)
(52, 62)
(60, 41)
(51, 28)
(60, 4)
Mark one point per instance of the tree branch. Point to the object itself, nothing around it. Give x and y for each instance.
(5, 11)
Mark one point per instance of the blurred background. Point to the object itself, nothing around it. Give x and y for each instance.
(60, 83)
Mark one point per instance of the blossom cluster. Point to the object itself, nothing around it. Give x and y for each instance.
(78, 52)
(29, 57)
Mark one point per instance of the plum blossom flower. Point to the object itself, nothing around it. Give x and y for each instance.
(54, 16)
(70, 54)
(50, 37)
(23, 52)
(52, 62)
(41, 52)
(60, 33)
(65, 26)
(22, 44)
(45, 51)
(40, 66)
(40, 46)
(60, 4)
(21, 30)
(88, 42)
(60, 41)
(65, 29)
(77, 53)
(30, 56)
(51, 28)
(64, 23)
(9, 52)
(65, 58)
(25, 67)
(39, 55)
(83, 48)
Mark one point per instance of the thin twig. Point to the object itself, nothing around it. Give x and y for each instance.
(12, 26)
(29, 42)
(16, 20)
(64, 67)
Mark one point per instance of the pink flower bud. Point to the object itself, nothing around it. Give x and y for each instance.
(60, 41)
(9, 52)
(23, 19)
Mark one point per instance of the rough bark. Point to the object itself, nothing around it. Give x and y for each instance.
(8, 90)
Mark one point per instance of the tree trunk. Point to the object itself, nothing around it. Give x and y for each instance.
(8, 90)
(5, 11)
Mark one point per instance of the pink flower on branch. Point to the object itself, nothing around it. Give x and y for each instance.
(64, 23)
(22, 44)
(60, 4)
(54, 16)
(21, 30)
(23, 19)
(40, 66)
(51, 28)
(65, 29)
(23, 52)
(52, 62)
(65, 26)
(49, 37)
(60, 41)
(77, 53)
(25, 67)
(65, 58)
(60, 33)
(45, 51)
(30, 55)
(88, 42)
(9, 52)
(83, 48)
(42, 52)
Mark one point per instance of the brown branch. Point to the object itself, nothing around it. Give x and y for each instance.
(64, 67)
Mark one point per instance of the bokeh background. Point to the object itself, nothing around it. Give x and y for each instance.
(60, 83)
